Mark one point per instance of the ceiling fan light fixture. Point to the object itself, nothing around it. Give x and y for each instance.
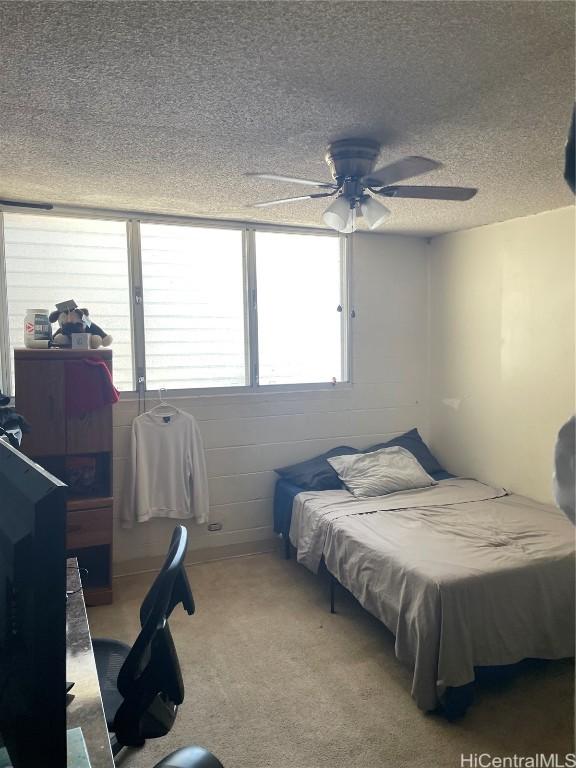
(337, 215)
(374, 212)
(351, 222)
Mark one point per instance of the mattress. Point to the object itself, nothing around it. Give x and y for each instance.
(463, 574)
(284, 494)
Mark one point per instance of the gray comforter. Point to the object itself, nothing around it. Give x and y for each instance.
(463, 574)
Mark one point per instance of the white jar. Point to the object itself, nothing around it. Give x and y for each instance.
(37, 329)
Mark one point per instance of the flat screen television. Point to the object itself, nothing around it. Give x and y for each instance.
(32, 612)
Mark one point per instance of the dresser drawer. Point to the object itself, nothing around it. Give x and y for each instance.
(88, 527)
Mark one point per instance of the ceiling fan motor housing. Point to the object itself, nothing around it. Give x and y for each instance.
(353, 158)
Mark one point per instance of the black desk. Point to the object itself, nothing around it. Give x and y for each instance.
(85, 710)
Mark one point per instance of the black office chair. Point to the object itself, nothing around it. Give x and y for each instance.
(142, 685)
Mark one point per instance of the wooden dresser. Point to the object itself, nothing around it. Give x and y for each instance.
(78, 450)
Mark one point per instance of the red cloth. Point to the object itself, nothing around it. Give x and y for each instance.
(88, 386)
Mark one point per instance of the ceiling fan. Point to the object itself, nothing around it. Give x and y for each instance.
(356, 185)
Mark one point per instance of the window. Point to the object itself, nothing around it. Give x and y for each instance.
(299, 294)
(193, 285)
(189, 306)
(51, 259)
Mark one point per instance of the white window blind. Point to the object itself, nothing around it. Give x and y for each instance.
(195, 327)
(193, 285)
(51, 259)
(299, 292)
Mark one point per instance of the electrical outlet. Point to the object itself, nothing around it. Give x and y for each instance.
(214, 526)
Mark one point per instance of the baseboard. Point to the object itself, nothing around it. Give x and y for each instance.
(196, 556)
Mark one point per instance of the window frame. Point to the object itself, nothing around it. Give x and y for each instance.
(133, 220)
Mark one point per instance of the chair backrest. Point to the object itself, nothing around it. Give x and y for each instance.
(171, 585)
(150, 679)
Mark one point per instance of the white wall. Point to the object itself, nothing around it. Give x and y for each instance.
(246, 436)
(502, 349)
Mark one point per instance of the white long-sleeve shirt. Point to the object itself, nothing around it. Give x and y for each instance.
(168, 469)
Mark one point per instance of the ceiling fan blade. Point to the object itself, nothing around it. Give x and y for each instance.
(406, 168)
(294, 180)
(291, 199)
(430, 193)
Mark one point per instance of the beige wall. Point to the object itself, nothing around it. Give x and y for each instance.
(502, 349)
(247, 435)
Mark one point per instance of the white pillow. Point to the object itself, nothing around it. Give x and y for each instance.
(380, 472)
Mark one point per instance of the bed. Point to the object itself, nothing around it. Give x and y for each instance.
(465, 575)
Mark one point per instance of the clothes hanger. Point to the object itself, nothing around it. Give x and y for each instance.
(163, 408)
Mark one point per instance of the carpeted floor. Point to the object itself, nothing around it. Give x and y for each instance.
(274, 681)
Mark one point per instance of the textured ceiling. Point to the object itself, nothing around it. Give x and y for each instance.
(163, 106)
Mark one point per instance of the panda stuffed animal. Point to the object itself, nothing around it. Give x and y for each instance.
(73, 319)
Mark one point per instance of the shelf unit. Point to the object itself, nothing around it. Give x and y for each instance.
(78, 450)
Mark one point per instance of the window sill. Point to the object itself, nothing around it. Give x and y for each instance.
(276, 389)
